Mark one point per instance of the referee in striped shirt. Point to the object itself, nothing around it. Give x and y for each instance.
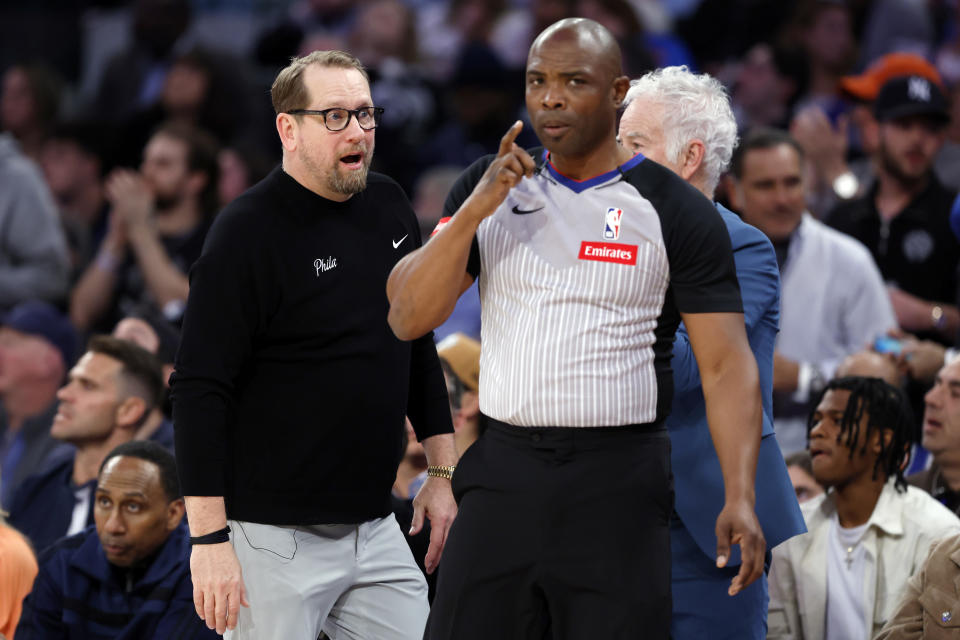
(587, 258)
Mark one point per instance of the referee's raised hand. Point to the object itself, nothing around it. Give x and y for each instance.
(510, 166)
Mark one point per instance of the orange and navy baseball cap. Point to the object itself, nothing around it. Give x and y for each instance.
(866, 86)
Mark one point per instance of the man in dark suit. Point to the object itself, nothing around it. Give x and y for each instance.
(697, 143)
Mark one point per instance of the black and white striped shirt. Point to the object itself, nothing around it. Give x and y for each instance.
(581, 285)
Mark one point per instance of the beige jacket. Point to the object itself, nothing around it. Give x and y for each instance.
(899, 535)
(929, 607)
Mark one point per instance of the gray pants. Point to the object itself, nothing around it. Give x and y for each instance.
(354, 582)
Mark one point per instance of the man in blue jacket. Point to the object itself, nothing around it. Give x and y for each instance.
(127, 578)
(684, 122)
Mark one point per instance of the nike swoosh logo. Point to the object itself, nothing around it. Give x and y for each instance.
(520, 212)
(397, 243)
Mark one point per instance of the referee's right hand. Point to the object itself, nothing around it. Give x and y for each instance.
(218, 589)
(510, 166)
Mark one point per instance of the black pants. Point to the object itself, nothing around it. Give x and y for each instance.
(562, 533)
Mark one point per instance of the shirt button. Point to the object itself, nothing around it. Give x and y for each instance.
(946, 616)
(535, 437)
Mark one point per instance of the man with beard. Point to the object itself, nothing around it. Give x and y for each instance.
(158, 220)
(109, 395)
(588, 258)
(290, 391)
(904, 218)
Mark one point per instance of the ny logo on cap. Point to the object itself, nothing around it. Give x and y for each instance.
(918, 89)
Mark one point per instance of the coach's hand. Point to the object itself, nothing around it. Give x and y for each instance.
(510, 166)
(218, 589)
(738, 524)
(435, 500)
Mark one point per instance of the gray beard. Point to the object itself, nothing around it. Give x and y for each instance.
(350, 183)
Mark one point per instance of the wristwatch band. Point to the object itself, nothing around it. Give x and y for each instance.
(440, 471)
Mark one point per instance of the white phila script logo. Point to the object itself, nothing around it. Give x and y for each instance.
(321, 264)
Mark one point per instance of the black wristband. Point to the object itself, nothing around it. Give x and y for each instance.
(223, 535)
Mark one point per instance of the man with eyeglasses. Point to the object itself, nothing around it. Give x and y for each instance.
(286, 458)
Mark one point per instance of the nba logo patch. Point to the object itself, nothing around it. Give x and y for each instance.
(611, 227)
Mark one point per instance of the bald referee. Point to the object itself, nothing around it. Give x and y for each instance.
(588, 258)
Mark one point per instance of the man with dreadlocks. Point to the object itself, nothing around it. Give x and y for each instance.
(869, 533)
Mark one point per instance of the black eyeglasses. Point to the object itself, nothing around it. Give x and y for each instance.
(337, 119)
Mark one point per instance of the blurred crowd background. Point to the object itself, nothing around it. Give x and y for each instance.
(125, 126)
(448, 73)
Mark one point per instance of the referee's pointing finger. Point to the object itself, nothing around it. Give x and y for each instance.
(506, 142)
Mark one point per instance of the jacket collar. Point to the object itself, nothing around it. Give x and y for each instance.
(887, 513)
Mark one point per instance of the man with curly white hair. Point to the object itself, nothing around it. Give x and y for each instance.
(683, 121)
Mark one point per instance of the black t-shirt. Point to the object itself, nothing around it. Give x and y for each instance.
(133, 297)
(290, 388)
(916, 250)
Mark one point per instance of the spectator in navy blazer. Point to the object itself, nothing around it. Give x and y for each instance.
(684, 122)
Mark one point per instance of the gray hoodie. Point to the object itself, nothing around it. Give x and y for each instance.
(34, 263)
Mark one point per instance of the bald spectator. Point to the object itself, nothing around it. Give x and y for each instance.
(37, 344)
(922, 359)
(869, 364)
